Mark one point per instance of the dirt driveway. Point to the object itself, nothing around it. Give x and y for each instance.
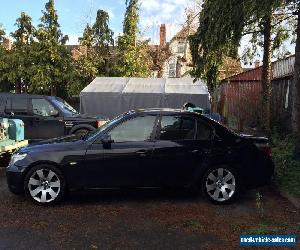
(140, 219)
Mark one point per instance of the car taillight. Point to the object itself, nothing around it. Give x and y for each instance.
(265, 148)
(100, 123)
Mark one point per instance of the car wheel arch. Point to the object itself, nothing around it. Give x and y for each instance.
(38, 163)
(83, 126)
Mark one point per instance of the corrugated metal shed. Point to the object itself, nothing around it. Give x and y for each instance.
(283, 68)
(249, 75)
(239, 97)
(280, 69)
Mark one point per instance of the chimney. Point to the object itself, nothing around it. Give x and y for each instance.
(7, 44)
(257, 63)
(162, 35)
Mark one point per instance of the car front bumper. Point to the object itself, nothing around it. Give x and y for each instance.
(15, 178)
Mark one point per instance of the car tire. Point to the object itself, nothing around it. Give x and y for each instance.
(45, 185)
(81, 132)
(220, 184)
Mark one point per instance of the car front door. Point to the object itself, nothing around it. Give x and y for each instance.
(46, 120)
(179, 149)
(126, 159)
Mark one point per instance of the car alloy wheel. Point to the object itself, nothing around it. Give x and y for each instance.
(45, 185)
(220, 185)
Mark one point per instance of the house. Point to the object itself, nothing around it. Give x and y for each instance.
(77, 51)
(179, 62)
(7, 43)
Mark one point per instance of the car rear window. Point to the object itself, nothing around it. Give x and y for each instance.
(177, 128)
(17, 105)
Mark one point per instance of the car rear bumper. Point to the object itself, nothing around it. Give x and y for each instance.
(15, 179)
(262, 177)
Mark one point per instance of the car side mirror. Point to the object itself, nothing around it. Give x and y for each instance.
(54, 113)
(106, 140)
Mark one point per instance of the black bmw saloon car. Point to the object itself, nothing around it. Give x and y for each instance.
(144, 148)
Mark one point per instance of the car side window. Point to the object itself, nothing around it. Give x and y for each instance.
(41, 107)
(204, 131)
(177, 128)
(135, 129)
(7, 108)
(18, 106)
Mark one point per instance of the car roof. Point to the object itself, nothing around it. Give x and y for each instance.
(20, 95)
(165, 111)
(170, 111)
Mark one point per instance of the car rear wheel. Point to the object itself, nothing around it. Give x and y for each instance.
(220, 184)
(81, 132)
(45, 185)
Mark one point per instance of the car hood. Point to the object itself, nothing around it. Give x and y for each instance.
(84, 117)
(65, 142)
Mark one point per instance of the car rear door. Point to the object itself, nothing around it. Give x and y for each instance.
(127, 161)
(179, 149)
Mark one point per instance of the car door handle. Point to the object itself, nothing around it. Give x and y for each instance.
(142, 152)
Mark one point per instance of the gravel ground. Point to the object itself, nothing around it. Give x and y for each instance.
(140, 219)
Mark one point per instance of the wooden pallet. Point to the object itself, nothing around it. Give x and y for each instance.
(12, 147)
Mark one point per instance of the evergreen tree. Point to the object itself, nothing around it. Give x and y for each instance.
(2, 33)
(87, 38)
(21, 59)
(54, 60)
(103, 43)
(4, 84)
(133, 55)
(221, 28)
(296, 87)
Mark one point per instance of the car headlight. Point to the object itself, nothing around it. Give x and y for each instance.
(17, 157)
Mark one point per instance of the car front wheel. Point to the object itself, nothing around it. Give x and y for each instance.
(220, 184)
(45, 185)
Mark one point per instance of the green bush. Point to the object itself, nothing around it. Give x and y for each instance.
(287, 168)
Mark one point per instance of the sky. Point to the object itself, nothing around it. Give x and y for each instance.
(74, 14)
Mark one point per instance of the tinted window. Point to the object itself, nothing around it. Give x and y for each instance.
(136, 129)
(204, 131)
(19, 106)
(41, 107)
(177, 128)
(8, 105)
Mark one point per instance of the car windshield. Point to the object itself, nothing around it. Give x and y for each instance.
(64, 106)
(93, 134)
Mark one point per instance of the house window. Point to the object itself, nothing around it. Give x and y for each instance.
(180, 48)
(172, 70)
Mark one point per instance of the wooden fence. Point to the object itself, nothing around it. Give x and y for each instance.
(239, 103)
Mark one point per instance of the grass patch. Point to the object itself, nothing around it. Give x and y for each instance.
(193, 225)
(265, 229)
(287, 168)
(236, 228)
